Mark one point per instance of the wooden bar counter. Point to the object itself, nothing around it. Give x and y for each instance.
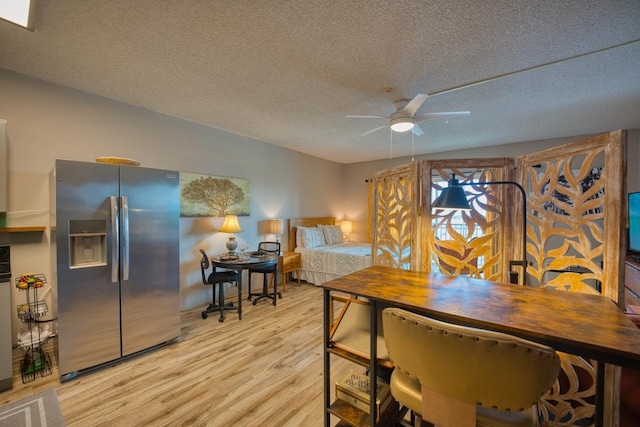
(591, 326)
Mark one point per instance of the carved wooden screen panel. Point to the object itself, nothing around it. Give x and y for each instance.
(396, 230)
(471, 243)
(575, 231)
(370, 209)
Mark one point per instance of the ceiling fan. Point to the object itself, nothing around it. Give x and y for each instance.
(405, 117)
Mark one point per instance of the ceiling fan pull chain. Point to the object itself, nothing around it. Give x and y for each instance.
(412, 145)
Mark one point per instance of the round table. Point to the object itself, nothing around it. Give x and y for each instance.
(245, 262)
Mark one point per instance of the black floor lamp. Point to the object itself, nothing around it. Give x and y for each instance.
(454, 197)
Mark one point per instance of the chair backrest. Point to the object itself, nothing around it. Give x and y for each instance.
(204, 266)
(272, 247)
(471, 365)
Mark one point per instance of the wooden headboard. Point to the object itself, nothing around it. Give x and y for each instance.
(294, 223)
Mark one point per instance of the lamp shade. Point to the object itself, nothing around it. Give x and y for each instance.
(346, 226)
(452, 197)
(231, 225)
(274, 226)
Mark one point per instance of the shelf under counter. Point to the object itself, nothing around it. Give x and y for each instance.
(349, 356)
(354, 417)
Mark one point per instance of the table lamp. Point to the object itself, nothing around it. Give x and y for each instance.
(346, 227)
(231, 225)
(274, 226)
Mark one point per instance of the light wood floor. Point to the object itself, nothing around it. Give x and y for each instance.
(263, 370)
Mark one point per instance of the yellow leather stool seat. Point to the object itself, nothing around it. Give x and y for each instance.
(406, 390)
(452, 374)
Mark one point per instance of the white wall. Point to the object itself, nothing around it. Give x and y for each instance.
(45, 122)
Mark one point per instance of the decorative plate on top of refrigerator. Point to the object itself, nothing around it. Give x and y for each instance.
(118, 161)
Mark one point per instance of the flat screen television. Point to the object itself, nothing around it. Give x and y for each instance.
(634, 224)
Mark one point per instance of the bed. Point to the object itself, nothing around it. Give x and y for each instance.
(328, 257)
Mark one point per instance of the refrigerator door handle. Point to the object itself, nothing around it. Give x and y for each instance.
(115, 241)
(125, 237)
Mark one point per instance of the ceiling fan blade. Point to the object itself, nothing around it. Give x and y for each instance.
(443, 115)
(413, 105)
(417, 130)
(366, 117)
(373, 130)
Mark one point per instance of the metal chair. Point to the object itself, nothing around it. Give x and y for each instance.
(269, 247)
(217, 278)
(458, 376)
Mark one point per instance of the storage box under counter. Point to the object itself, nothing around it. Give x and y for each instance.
(353, 388)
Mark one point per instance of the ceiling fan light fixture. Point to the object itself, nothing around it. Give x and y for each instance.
(402, 124)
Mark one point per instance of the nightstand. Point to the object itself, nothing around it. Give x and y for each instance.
(288, 262)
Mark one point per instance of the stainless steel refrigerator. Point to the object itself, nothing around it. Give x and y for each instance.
(115, 261)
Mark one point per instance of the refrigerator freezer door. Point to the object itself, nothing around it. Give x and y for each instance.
(150, 297)
(88, 302)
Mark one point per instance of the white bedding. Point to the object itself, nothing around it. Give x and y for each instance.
(324, 263)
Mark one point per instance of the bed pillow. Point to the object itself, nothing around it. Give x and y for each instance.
(310, 237)
(332, 234)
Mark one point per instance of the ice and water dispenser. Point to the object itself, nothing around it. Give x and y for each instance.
(88, 243)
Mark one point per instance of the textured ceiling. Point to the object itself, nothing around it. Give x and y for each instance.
(287, 72)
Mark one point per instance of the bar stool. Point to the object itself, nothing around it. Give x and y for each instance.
(459, 376)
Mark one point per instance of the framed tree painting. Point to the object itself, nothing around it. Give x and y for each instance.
(206, 195)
